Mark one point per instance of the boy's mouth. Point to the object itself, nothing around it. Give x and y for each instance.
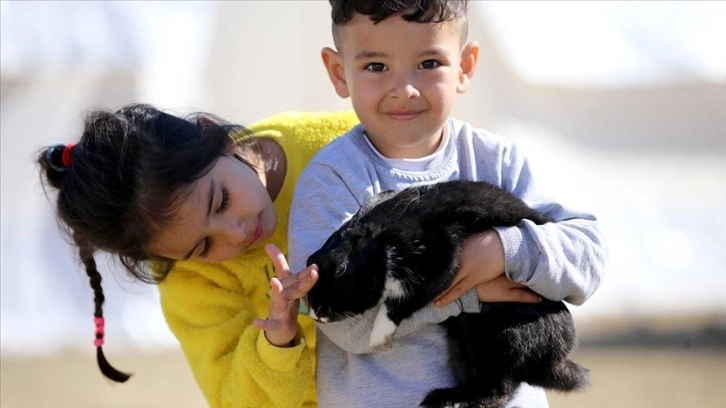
(404, 115)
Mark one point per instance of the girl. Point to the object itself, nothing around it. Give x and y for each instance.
(200, 207)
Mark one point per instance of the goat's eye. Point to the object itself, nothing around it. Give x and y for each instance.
(340, 269)
(361, 240)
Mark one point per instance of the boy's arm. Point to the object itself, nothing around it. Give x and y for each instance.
(322, 202)
(561, 260)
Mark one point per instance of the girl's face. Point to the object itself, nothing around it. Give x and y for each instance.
(226, 212)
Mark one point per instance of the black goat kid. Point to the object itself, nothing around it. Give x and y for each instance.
(401, 250)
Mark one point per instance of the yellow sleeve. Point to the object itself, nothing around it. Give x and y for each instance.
(211, 316)
(210, 307)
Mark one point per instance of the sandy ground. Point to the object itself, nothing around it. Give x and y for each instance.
(621, 377)
(671, 362)
(641, 378)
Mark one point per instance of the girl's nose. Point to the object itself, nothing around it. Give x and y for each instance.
(234, 231)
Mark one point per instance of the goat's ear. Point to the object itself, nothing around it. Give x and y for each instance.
(375, 200)
(370, 204)
(374, 229)
(398, 205)
(405, 198)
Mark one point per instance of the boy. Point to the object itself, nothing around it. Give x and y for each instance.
(402, 64)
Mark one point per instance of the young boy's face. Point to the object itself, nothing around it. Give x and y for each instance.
(402, 78)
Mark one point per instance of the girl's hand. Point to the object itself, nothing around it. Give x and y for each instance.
(281, 324)
(481, 265)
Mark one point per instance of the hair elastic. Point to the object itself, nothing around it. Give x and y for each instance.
(66, 157)
(59, 157)
(100, 323)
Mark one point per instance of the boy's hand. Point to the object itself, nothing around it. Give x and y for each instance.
(501, 289)
(281, 324)
(481, 265)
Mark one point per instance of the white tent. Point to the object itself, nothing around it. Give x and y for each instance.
(621, 107)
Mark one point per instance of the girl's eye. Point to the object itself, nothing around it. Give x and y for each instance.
(225, 201)
(222, 208)
(205, 250)
(375, 67)
(430, 64)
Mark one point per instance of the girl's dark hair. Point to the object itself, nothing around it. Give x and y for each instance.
(119, 184)
(422, 11)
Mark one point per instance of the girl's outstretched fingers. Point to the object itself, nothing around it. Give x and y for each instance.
(280, 327)
(287, 288)
(298, 285)
(294, 286)
(277, 309)
(282, 270)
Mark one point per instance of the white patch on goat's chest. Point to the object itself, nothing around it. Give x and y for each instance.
(383, 329)
(383, 326)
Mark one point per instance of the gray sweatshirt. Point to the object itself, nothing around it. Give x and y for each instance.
(562, 260)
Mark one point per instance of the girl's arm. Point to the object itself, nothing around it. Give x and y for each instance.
(231, 359)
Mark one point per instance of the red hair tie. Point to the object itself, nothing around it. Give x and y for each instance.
(66, 157)
(100, 323)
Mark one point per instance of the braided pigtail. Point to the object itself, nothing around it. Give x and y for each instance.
(120, 184)
(86, 254)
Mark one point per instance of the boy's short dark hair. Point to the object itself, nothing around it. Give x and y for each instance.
(420, 11)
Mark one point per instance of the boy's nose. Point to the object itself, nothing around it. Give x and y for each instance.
(404, 87)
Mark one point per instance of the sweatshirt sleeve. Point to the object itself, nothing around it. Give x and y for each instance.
(312, 220)
(229, 357)
(560, 260)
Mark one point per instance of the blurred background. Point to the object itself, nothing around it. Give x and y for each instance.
(620, 105)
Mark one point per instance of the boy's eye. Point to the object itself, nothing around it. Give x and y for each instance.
(225, 201)
(375, 67)
(430, 64)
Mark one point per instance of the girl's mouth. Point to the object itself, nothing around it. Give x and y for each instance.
(258, 231)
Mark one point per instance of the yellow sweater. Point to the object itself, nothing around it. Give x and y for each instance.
(210, 307)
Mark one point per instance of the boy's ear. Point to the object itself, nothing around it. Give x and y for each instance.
(231, 149)
(334, 65)
(204, 121)
(467, 67)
